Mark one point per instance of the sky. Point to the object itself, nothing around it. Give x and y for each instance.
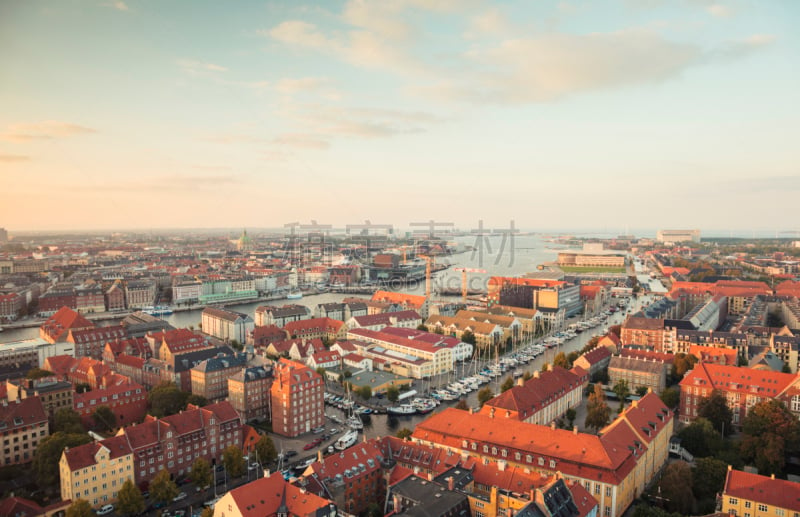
(613, 114)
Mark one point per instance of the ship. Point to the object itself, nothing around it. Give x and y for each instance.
(348, 439)
(294, 295)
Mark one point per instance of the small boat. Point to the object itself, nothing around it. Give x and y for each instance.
(294, 295)
(355, 422)
(348, 439)
(424, 406)
(158, 310)
(402, 409)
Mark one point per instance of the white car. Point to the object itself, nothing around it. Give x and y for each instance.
(105, 509)
(253, 466)
(179, 497)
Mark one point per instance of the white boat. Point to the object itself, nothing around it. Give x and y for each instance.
(355, 422)
(348, 439)
(402, 409)
(158, 310)
(294, 295)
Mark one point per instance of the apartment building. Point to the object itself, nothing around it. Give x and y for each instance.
(226, 325)
(210, 377)
(23, 424)
(52, 393)
(752, 495)
(280, 316)
(127, 401)
(96, 471)
(296, 399)
(249, 393)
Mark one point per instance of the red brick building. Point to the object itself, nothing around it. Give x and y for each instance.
(743, 388)
(10, 306)
(646, 332)
(56, 328)
(296, 398)
(317, 328)
(128, 402)
(90, 342)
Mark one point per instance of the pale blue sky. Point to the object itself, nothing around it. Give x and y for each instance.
(607, 114)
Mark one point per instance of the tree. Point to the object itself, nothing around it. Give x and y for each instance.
(462, 405)
(641, 391)
(162, 488)
(507, 384)
(468, 337)
(422, 327)
(82, 387)
(671, 397)
(80, 508)
(597, 411)
(236, 345)
(770, 432)
(645, 510)
(166, 399)
(104, 418)
(572, 357)
(561, 360)
(404, 433)
(365, 392)
(571, 414)
(708, 477)
(130, 500)
(48, 454)
(38, 373)
(715, 409)
(485, 394)
(67, 420)
(196, 400)
(201, 474)
(601, 376)
(700, 438)
(265, 450)
(527, 376)
(208, 511)
(233, 460)
(321, 371)
(392, 393)
(683, 363)
(373, 510)
(676, 487)
(622, 391)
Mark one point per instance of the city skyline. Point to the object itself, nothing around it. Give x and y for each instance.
(636, 113)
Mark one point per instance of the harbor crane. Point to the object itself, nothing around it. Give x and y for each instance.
(464, 271)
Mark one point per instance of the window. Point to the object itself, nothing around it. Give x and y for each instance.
(733, 501)
(607, 511)
(597, 488)
(762, 507)
(748, 504)
(608, 491)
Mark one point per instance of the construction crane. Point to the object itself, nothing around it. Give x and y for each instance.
(430, 261)
(464, 271)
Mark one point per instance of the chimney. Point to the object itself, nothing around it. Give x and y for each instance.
(451, 483)
(772, 476)
(552, 425)
(575, 430)
(319, 455)
(430, 476)
(491, 413)
(536, 374)
(520, 381)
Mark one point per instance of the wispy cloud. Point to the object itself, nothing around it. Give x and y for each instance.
(301, 140)
(719, 10)
(191, 66)
(47, 130)
(12, 158)
(740, 48)
(290, 85)
(119, 5)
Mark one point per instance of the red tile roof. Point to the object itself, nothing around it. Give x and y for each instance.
(19, 507)
(22, 413)
(575, 454)
(597, 354)
(264, 497)
(58, 325)
(386, 318)
(762, 489)
(733, 379)
(407, 300)
(313, 325)
(536, 393)
(83, 456)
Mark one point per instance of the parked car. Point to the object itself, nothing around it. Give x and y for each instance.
(179, 497)
(290, 453)
(318, 430)
(105, 509)
(253, 466)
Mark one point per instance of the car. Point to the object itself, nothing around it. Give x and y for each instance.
(253, 466)
(159, 504)
(146, 494)
(179, 497)
(290, 453)
(201, 488)
(309, 445)
(211, 502)
(184, 481)
(178, 513)
(318, 430)
(220, 468)
(105, 509)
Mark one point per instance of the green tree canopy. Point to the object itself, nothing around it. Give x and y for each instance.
(700, 438)
(485, 394)
(507, 384)
(48, 454)
(404, 433)
(561, 360)
(468, 337)
(527, 376)
(130, 500)
(622, 391)
(196, 400)
(392, 393)
(708, 477)
(104, 418)
(422, 327)
(641, 391)
(365, 392)
(67, 420)
(571, 414)
(201, 474)
(162, 488)
(166, 399)
(671, 397)
(38, 373)
(265, 448)
(462, 405)
(715, 409)
(80, 508)
(770, 432)
(597, 411)
(233, 460)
